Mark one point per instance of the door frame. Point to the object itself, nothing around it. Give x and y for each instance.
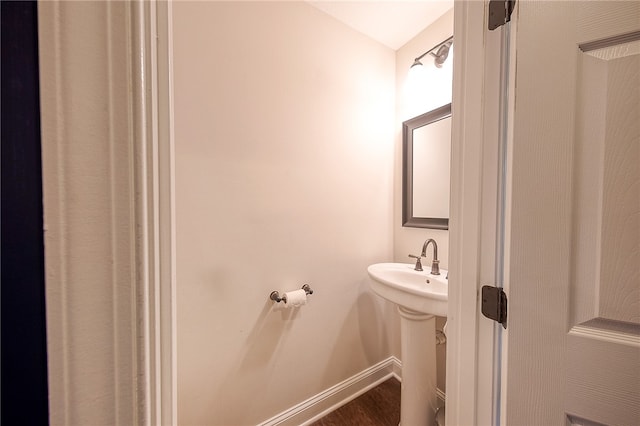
(472, 349)
(110, 280)
(155, 208)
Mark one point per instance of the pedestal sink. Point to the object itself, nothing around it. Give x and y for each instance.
(420, 296)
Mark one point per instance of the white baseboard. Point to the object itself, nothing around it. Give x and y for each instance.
(397, 368)
(336, 396)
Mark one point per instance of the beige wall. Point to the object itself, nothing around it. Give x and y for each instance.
(284, 123)
(410, 104)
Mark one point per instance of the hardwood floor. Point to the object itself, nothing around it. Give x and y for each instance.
(379, 406)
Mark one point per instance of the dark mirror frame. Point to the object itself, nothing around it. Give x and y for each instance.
(408, 219)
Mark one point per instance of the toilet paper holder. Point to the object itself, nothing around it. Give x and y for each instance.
(275, 296)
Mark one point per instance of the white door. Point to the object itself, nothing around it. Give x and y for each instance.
(571, 350)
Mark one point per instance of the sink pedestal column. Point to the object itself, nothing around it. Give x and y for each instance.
(418, 400)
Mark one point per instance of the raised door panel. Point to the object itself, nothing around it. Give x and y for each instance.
(619, 295)
(603, 346)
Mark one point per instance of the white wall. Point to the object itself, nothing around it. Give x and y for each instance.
(437, 92)
(284, 130)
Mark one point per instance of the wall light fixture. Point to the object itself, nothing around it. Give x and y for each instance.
(440, 53)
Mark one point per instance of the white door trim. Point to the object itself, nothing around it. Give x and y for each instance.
(472, 230)
(108, 208)
(155, 207)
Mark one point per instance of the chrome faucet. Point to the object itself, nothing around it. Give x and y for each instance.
(435, 264)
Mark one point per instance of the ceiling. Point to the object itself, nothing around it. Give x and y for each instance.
(392, 23)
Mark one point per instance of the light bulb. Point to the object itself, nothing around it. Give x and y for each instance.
(416, 88)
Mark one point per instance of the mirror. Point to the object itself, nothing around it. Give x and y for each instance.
(426, 159)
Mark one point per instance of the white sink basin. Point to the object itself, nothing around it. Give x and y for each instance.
(418, 291)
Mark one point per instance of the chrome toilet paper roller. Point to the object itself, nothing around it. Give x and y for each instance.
(292, 298)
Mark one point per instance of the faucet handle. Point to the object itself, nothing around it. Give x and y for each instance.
(418, 262)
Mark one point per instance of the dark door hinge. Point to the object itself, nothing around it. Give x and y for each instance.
(500, 12)
(494, 304)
